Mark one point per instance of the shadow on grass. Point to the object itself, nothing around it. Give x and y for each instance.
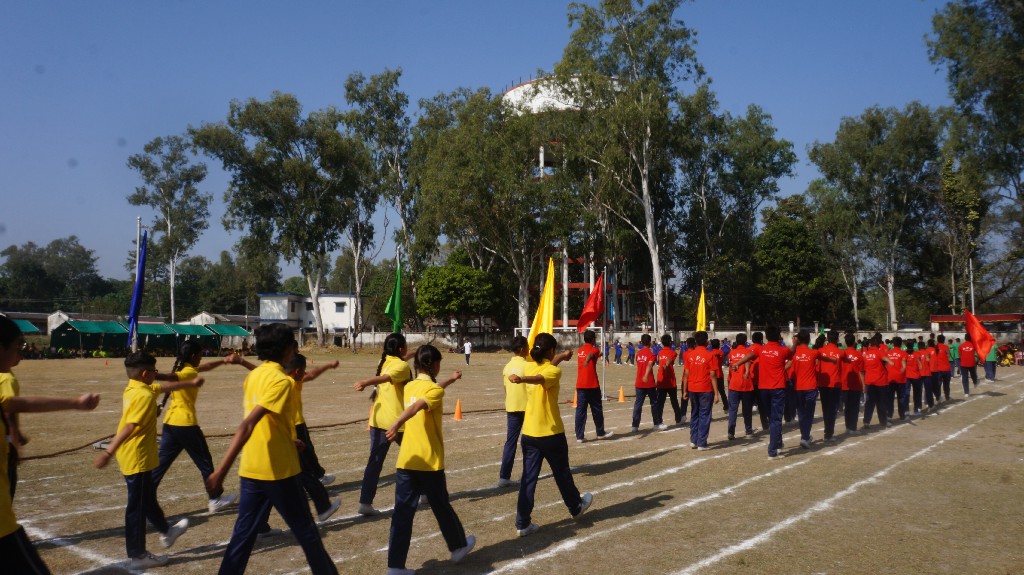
(488, 556)
(195, 519)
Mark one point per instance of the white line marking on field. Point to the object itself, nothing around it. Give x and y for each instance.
(826, 504)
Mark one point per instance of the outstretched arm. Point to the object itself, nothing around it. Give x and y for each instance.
(561, 357)
(392, 433)
(363, 384)
(175, 386)
(317, 371)
(216, 479)
(456, 375)
(37, 404)
(212, 364)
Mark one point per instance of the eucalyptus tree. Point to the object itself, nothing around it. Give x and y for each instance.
(836, 231)
(621, 69)
(170, 187)
(293, 178)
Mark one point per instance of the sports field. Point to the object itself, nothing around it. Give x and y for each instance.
(940, 494)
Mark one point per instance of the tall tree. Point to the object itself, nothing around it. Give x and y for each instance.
(836, 231)
(61, 274)
(292, 180)
(170, 187)
(455, 290)
(886, 164)
(622, 67)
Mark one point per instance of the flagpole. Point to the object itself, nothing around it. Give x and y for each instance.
(604, 334)
(138, 244)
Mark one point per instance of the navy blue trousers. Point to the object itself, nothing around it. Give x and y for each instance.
(142, 505)
(736, 400)
(409, 485)
(829, 408)
(379, 446)
(592, 398)
(877, 397)
(852, 409)
(666, 393)
(513, 427)
(701, 403)
(775, 401)
(188, 438)
(555, 450)
(20, 556)
(806, 403)
(650, 394)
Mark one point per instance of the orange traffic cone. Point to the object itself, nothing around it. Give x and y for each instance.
(622, 395)
(575, 399)
(458, 410)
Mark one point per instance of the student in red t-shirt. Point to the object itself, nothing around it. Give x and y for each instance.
(968, 364)
(588, 389)
(852, 377)
(941, 369)
(665, 382)
(830, 382)
(805, 370)
(645, 386)
(877, 381)
(897, 372)
(763, 409)
(741, 388)
(700, 386)
(719, 357)
(771, 363)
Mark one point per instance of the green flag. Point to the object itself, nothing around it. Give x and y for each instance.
(394, 307)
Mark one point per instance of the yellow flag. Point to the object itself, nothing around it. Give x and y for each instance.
(544, 321)
(702, 317)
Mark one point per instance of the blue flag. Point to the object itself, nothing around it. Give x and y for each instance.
(140, 280)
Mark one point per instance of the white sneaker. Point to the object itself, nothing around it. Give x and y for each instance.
(531, 528)
(223, 502)
(397, 571)
(329, 511)
(661, 427)
(460, 553)
(147, 560)
(607, 434)
(693, 445)
(274, 532)
(585, 503)
(327, 480)
(173, 532)
(634, 429)
(503, 483)
(367, 509)
(702, 448)
(581, 440)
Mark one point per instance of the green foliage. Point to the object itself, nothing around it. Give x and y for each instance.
(454, 290)
(61, 274)
(295, 284)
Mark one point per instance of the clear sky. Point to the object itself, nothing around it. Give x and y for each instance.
(85, 84)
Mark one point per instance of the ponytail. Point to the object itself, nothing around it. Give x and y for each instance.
(542, 344)
(393, 343)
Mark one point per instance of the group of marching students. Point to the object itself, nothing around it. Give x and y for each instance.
(784, 382)
(279, 469)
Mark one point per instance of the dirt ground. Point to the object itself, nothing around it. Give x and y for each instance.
(940, 494)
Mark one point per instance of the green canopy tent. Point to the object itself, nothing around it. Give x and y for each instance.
(187, 331)
(26, 327)
(226, 332)
(153, 336)
(89, 335)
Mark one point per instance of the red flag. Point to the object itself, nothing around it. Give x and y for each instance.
(982, 339)
(594, 307)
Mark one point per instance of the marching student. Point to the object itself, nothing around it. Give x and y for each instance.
(914, 374)
(741, 388)
(942, 367)
(515, 409)
(700, 386)
(719, 358)
(181, 431)
(631, 350)
(135, 446)
(11, 343)
(420, 468)
(830, 383)
(756, 341)
(17, 551)
(897, 372)
(876, 382)
(588, 389)
(392, 374)
(805, 369)
(924, 355)
(645, 385)
(852, 382)
(544, 436)
(968, 363)
(269, 470)
(772, 358)
(665, 382)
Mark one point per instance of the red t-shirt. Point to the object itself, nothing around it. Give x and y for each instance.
(940, 357)
(644, 359)
(666, 374)
(925, 355)
(874, 367)
(967, 357)
(772, 358)
(586, 374)
(755, 369)
(852, 367)
(737, 382)
(716, 356)
(831, 370)
(913, 367)
(699, 366)
(805, 368)
(897, 370)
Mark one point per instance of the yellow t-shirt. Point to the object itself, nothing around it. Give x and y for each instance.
(10, 387)
(182, 407)
(423, 444)
(8, 524)
(515, 393)
(270, 454)
(138, 453)
(389, 404)
(542, 418)
(299, 420)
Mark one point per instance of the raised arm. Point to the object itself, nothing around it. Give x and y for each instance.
(376, 380)
(37, 404)
(176, 385)
(456, 375)
(561, 357)
(318, 371)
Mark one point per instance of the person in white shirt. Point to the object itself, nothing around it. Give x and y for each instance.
(468, 347)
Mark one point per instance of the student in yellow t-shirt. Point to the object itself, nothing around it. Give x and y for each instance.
(515, 409)
(9, 387)
(268, 472)
(421, 464)
(392, 374)
(135, 446)
(543, 434)
(181, 429)
(16, 551)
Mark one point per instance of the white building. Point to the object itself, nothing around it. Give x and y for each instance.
(336, 310)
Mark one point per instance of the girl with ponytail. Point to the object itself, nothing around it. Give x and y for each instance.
(389, 384)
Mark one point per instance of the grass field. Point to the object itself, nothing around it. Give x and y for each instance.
(940, 494)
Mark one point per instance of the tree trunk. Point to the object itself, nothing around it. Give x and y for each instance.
(652, 246)
(313, 282)
(890, 288)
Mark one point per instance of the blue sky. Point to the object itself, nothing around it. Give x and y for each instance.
(84, 85)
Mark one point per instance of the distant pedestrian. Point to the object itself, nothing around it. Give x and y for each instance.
(467, 348)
